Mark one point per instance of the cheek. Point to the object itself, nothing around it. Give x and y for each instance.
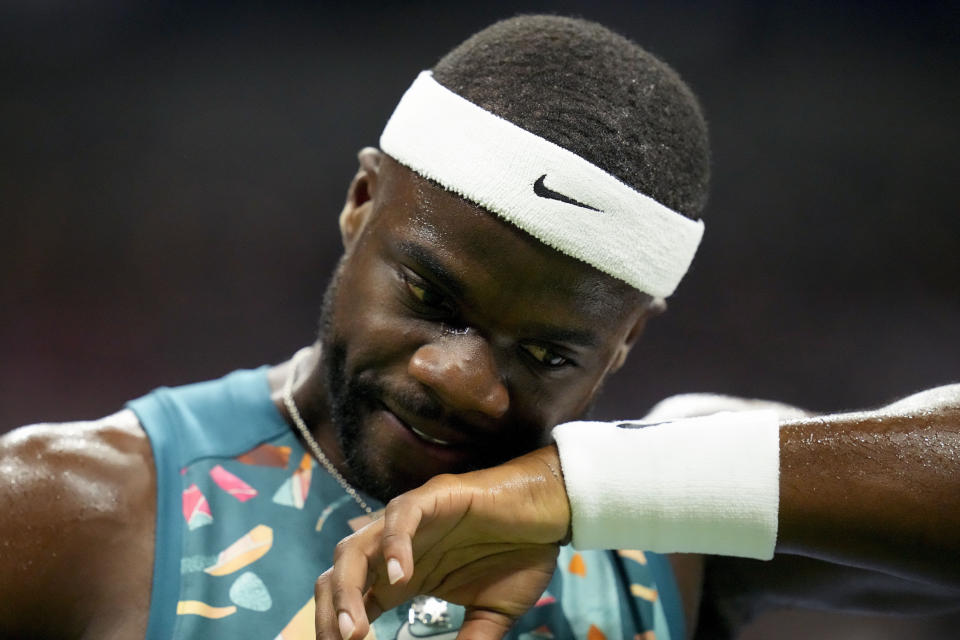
(550, 406)
(370, 320)
(591, 390)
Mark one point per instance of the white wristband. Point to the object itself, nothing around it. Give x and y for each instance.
(698, 485)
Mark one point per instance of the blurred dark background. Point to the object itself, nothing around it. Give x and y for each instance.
(171, 173)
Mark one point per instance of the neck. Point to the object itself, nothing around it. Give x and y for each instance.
(310, 397)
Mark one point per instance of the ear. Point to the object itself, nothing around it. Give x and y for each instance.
(653, 308)
(359, 204)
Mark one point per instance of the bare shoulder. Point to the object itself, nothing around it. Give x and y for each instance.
(78, 503)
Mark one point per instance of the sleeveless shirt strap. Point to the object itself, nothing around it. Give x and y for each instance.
(165, 592)
(669, 594)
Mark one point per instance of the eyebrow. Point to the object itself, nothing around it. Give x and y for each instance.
(430, 261)
(564, 335)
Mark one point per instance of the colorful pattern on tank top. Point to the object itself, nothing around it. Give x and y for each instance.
(257, 527)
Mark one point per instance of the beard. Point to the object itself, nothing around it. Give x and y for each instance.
(346, 400)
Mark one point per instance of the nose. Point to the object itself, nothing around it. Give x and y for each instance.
(462, 371)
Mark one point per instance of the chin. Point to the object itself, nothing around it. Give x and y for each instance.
(386, 459)
(385, 470)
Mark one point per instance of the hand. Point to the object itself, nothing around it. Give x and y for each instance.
(487, 540)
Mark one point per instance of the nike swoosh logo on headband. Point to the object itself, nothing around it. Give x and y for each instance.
(545, 192)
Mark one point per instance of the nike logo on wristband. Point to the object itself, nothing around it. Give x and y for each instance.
(640, 425)
(545, 192)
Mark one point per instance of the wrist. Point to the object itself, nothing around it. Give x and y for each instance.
(540, 474)
(698, 485)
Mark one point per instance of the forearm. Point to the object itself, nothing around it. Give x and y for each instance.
(878, 490)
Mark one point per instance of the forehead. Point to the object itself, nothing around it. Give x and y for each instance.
(496, 262)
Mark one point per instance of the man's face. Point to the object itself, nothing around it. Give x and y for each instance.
(453, 341)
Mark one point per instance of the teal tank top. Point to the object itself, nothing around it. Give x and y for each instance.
(247, 520)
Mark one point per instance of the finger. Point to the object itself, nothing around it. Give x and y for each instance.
(441, 503)
(349, 578)
(481, 624)
(325, 618)
(400, 522)
(374, 607)
(330, 623)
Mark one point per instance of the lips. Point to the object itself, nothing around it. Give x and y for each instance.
(427, 437)
(433, 433)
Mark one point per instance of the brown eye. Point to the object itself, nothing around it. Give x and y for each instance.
(545, 356)
(423, 294)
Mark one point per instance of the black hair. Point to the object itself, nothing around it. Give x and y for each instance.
(595, 93)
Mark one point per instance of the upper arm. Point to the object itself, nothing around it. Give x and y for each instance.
(77, 503)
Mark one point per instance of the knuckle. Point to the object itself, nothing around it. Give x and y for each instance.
(441, 480)
(321, 583)
(342, 549)
(339, 594)
(393, 540)
(398, 504)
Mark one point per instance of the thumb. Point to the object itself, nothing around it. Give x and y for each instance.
(483, 624)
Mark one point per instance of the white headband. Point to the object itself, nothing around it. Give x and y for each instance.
(546, 190)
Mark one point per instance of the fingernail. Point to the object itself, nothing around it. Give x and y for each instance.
(394, 570)
(346, 625)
